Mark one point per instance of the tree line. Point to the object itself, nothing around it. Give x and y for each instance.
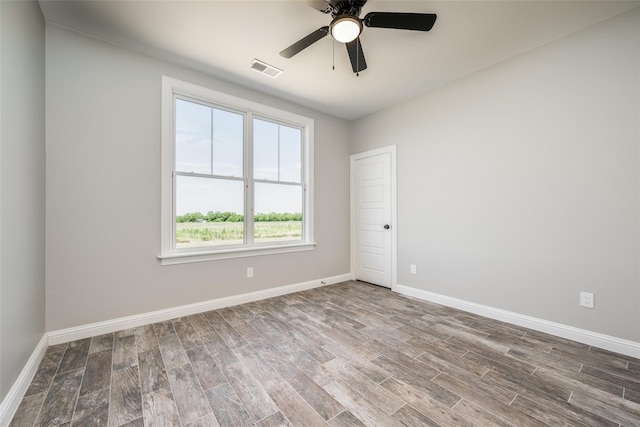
(234, 217)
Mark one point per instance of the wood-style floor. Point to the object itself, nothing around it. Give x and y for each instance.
(344, 355)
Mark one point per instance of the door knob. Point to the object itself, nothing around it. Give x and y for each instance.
(387, 226)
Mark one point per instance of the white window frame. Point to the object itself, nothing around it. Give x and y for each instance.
(169, 254)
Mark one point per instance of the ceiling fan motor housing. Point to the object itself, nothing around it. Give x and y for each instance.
(347, 7)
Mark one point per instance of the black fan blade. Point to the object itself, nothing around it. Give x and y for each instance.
(305, 42)
(356, 56)
(400, 21)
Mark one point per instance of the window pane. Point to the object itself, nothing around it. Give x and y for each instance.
(278, 212)
(290, 154)
(209, 212)
(265, 150)
(228, 130)
(193, 137)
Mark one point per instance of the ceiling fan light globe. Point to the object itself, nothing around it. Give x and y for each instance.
(346, 28)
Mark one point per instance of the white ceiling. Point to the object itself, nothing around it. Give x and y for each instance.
(222, 37)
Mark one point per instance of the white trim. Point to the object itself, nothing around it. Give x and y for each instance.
(391, 149)
(13, 398)
(168, 253)
(99, 328)
(188, 257)
(607, 342)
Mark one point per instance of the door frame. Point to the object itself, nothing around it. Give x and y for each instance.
(391, 149)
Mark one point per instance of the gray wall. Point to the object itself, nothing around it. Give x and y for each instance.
(518, 186)
(103, 191)
(22, 187)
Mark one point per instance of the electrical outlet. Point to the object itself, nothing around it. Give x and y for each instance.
(249, 272)
(413, 269)
(586, 299)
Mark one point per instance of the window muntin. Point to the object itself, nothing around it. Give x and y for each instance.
(209, 140)
(239, 177)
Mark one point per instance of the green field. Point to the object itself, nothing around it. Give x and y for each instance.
(191, 234)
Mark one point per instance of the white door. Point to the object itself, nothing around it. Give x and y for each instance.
(372, 217)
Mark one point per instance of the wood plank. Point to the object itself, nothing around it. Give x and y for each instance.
(622, 377)
(479, 416)
(365, 386)
(253, 396)
(126, 403)
(266, 375)
(205, 368)
(101, 343)
(449, 362)
(294, 407)
(488, 397)
(617, 410)
(498, 362)
(560, 413)
(200, 324)
(61, 398)
(345, 419)
(365, 366)
(632, 395)
(528, 385)
(420, 380)
(311, 391)
(227, 407)
(56, 348)
(97, 375)
(310, 366)
(28, 410)
(186, 332)
(310, 347)
(173, 354)
(425, 403)
(368, 413)
(187, 393)
(228, 334)
(315, 395)
(44, 375)
(138, 422)
(580, 383)
(403, 347)
(275, 420)
(410, 417)
(219, 350)
(159, 409)
(75, 357)
(92, 409)
(146, 339)
(208, 420)
(544, 360)
(125, 354)
(153, 376)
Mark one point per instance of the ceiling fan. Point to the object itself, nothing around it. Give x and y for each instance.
(347, 26)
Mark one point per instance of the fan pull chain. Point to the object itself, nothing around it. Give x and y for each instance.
(333, 53)
(358, 57)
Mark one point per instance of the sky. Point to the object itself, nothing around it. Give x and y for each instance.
(210, 141)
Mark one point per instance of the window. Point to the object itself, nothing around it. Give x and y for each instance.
(235, 177)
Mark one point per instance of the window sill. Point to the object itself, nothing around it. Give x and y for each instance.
(189, 257)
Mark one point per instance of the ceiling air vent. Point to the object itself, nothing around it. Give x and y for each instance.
(264, 68)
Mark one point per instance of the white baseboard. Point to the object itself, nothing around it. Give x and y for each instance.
(99, 328)
(618, 345)
(13, 398)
